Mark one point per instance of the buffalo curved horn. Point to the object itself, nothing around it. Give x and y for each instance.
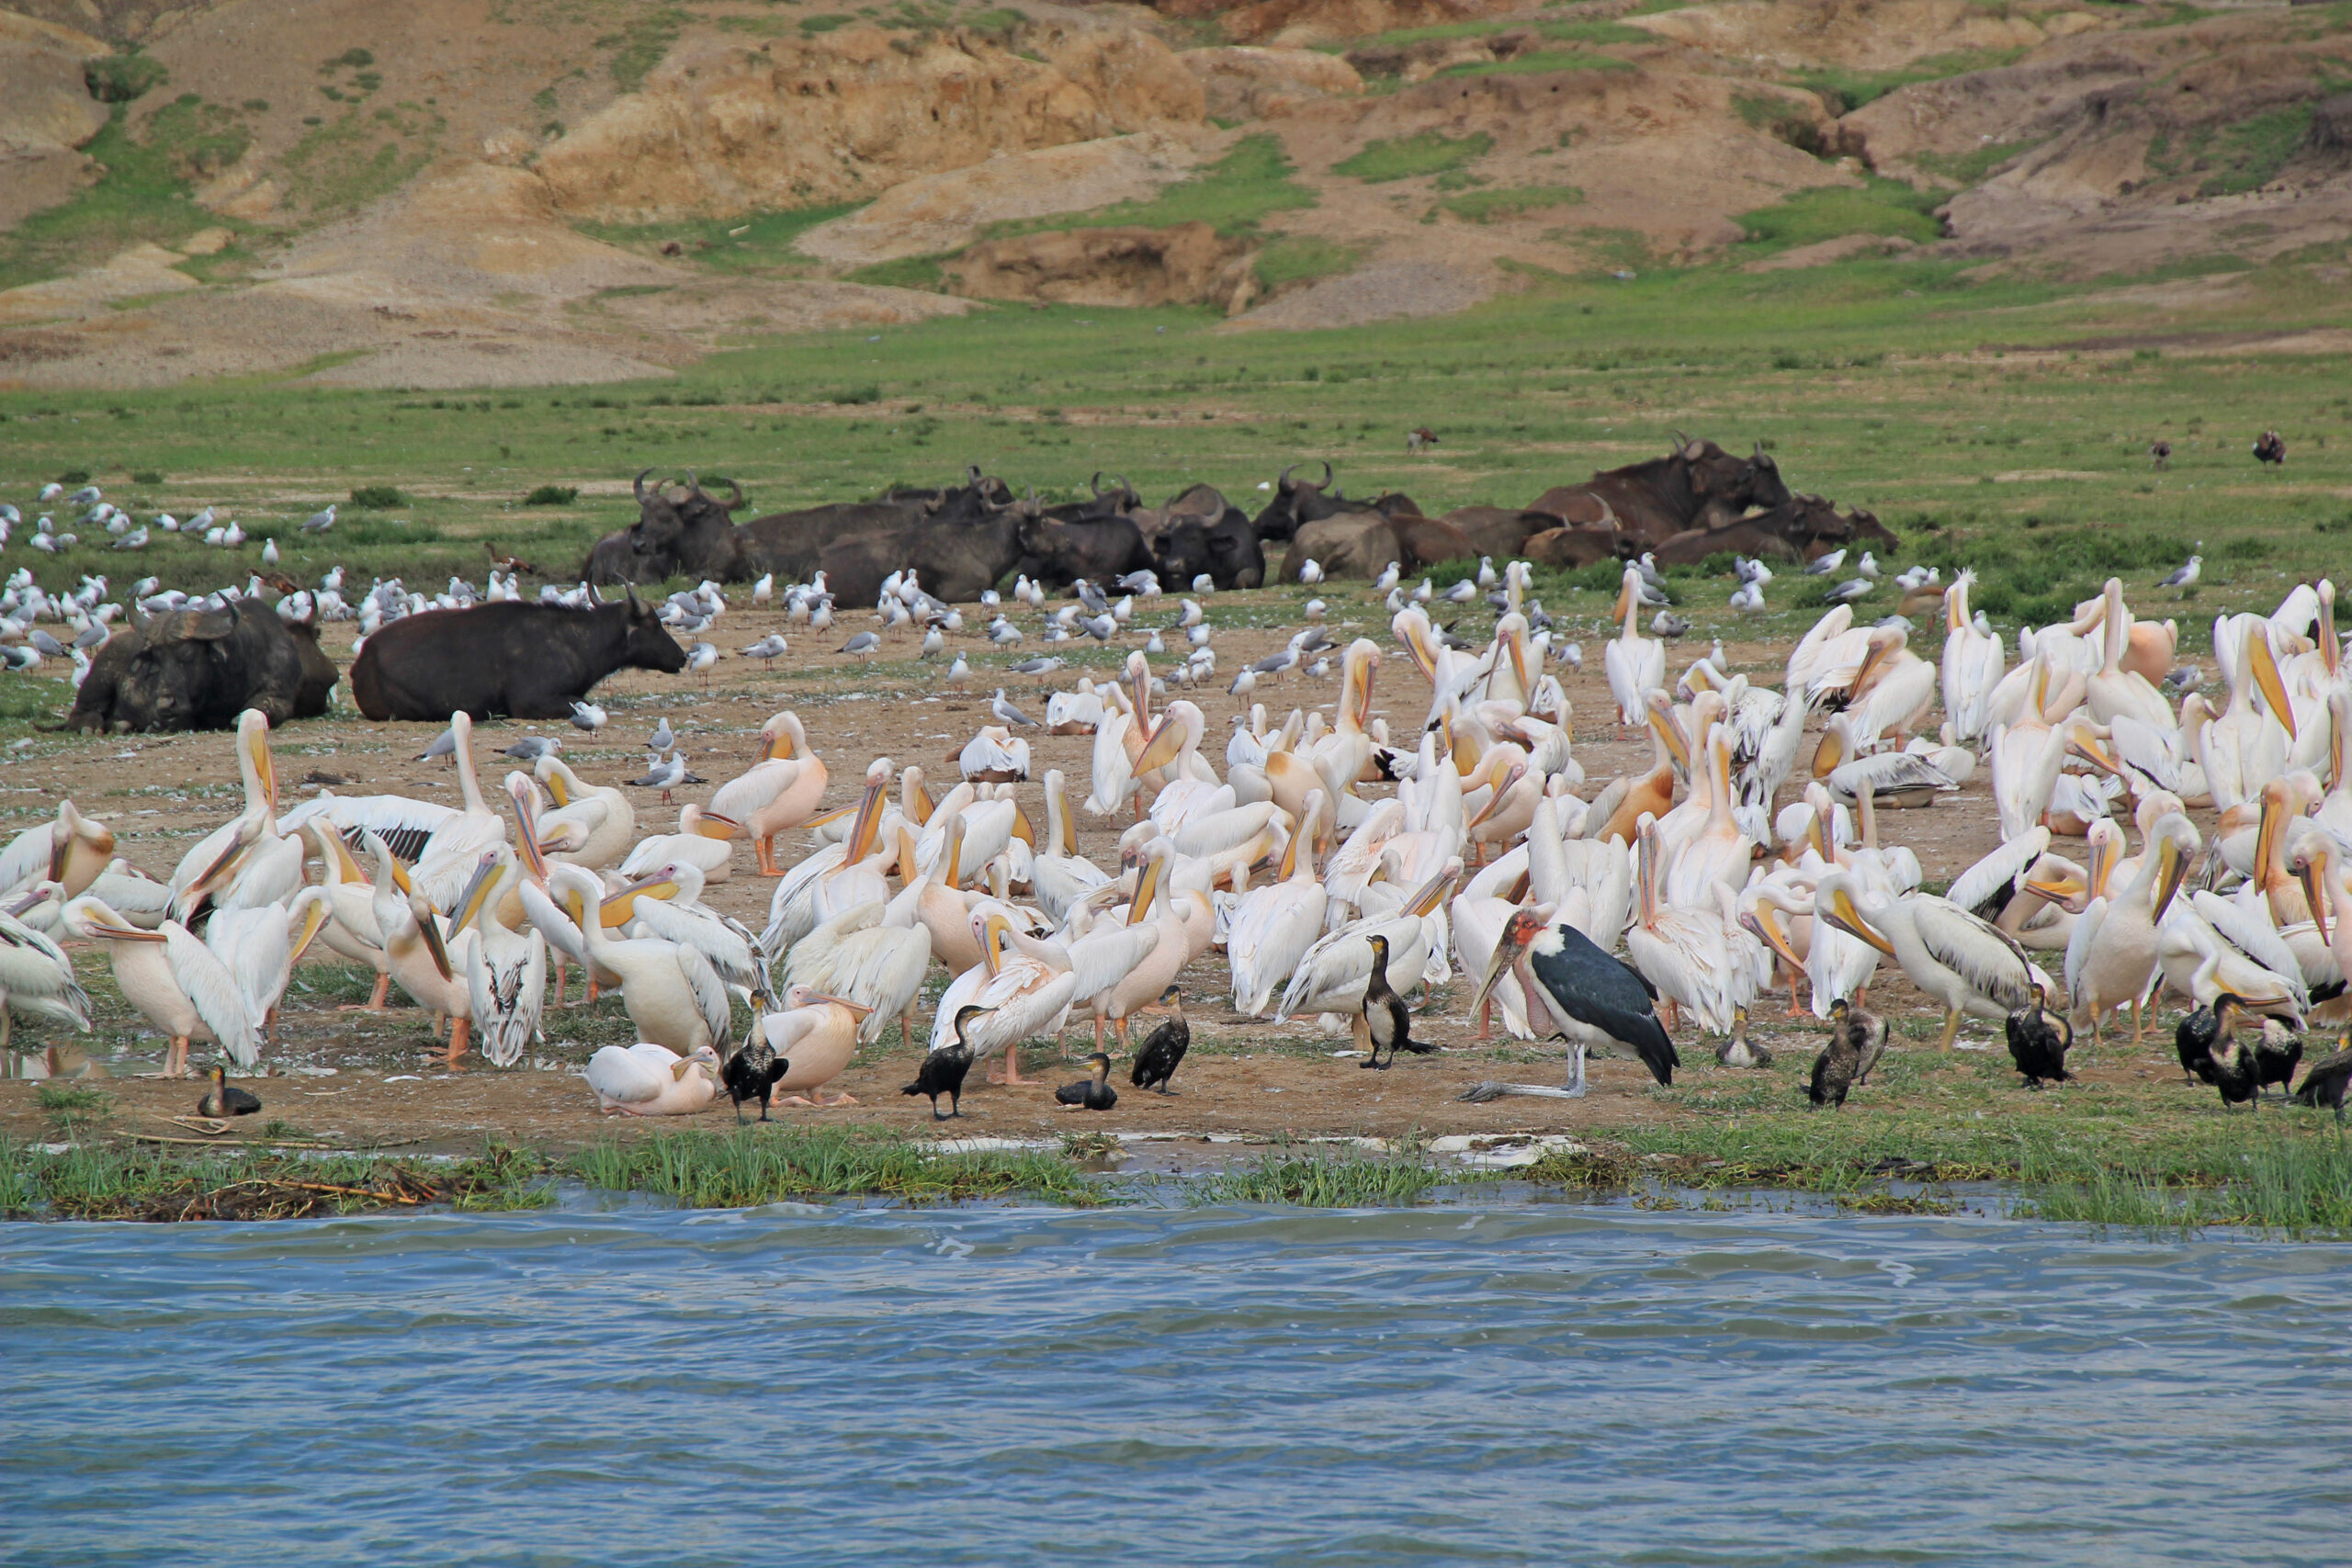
(639, 486)
(1759, 453)
(692, 484)
(972, 475)
(633, 606)
(1282, 481)
(739, 495)
(1326, 470)
(1126, 489)
(1096, 482)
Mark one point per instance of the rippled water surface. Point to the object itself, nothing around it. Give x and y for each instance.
(1549, 1384)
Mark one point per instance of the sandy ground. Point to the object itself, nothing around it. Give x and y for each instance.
(351, 1078)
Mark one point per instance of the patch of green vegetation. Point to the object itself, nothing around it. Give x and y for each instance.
(552, 495)
(812, 25)
(1782, 120)
(1537, 61)
(1292, 259)
(361, 155)
(142, 192)
(1595, 32)
(736, 1169)
(1962, 169)
(119, 78)
(1322, 1178)
(2250, 153)
(905, 272)
(377, 498)
(751, 242)
(1000, 23)
(638, 48)
(1826, 212)
(110, 1182)
(1410, 157)
(56, 1097)
(1234, 195)
(1844, 89)
(1513, 201)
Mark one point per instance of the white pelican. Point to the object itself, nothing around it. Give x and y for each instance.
(668, 903)
(177, 984)
(1958, 959)
(1971, 663)
(776, 794)
(1029, 997)
(592, 825)
(816, 1035)
(1058, 876)
(861, 957)
(671, 993)
(994, 756)
(1275, 925)
(1140, 984)
(1332, 975)
(414, 951)
(217, 849)
(1680, 951)
(700, 841)
(453, 854)
(2114, 691)
(37, 979)
(1637, 664)
(70, 851)
(351, 901)
(1890, 778)
(261, 947)
(647, 1080)
(1894, 689)
(2113, 953)
(2245, 747)
(506, 973)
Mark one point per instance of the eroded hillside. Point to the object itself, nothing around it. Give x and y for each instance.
(476, 192)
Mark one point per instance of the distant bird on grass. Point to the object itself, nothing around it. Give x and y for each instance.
(319, 522)
(768, 649)
(2160, 450)
(1824, 565)
(2269, 450)
(2184, 576)
(2323, 1085)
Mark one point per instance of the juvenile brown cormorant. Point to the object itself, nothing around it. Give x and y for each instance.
(1091, 1094)
(2324, 1086)
(1857, 1039)
(224, 1098)
(1736, 1050)
(2038, 1043)
(1164, 1048)
(943, 1070)
(1387, 1022)
(752, 1073)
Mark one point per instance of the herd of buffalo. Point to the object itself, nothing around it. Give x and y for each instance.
(1697, 500)
(198, 668)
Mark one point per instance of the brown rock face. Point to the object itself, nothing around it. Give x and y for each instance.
(721, 128)
(1182, 266)
(1249, 84)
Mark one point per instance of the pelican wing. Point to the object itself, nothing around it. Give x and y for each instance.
(620, 1076)
(1988, 961)
(36, 978)
(1889, 773)
(2251, 932)
(213, 989)
(254, 946)
(404, 825)
(27, 858)
(736, 959)
(711, 1000)
(1103, 957)
(1990, 880)
(509, 990)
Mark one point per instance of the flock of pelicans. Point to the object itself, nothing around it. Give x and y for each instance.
(1734, 864)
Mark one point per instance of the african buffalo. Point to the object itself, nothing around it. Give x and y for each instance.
(527, 660)
(199, 668)
(1565, 549)
(1354, 543)
(1200, 532)
(1056, 551)
(954, 562)
(1498, 531)
(1296, 502)
(1698, 485)
(687, 534)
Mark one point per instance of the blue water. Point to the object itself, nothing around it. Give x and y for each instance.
(1547, 1384)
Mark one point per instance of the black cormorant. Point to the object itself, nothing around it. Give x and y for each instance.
(943, 1070)
(1091, 1094)
(2200, 1033)
(2038, 1043)
(1735, 1051)
(2276, 1055)
(2235, 1076)
(1857, 1039)
(1163, 1049)
(2323, 1085)
(224, 1098)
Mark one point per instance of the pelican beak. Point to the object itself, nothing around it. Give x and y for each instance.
(312, 923)
(1844, 916)
(2172, 865)
(618, 909)
(714, 826)
(1518, 660)
(1147, 888)
(2309, 873)
(476, 893)
(526, 838)
(1671, 735)
(557, 790)
(60, 840)
(123, 933)
(1510, 782)
(869, 821)
(1871, 661)
(1415, 637)
(1762, 922)
(1167, 740)
(1022, 829)
(1829, 756)
(265, 766)
(431, 931)
(401, 879)
(2091, 746)
(858, 1007)
(218, 871)
(1363, 697)
(2265, 678)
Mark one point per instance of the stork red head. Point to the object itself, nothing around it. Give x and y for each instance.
(1520, 932)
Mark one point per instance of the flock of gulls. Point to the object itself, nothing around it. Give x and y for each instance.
(1332, 868)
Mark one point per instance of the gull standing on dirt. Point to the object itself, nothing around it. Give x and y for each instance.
(769, 648)
(959, 670)
(588, 717)
(1008, 713)
(664, 775)
(864, 645)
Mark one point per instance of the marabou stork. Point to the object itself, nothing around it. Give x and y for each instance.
(1590, 997)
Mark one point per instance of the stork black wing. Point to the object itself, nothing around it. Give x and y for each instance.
(1598, 992)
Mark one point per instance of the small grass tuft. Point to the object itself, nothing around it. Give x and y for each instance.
(377, 498)
(552, 495)
(736, 1169)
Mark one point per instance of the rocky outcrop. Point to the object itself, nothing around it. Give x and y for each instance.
(1869, 35)
(1185, 264)
(1251, 84)
(722, 128)
(46, 113)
